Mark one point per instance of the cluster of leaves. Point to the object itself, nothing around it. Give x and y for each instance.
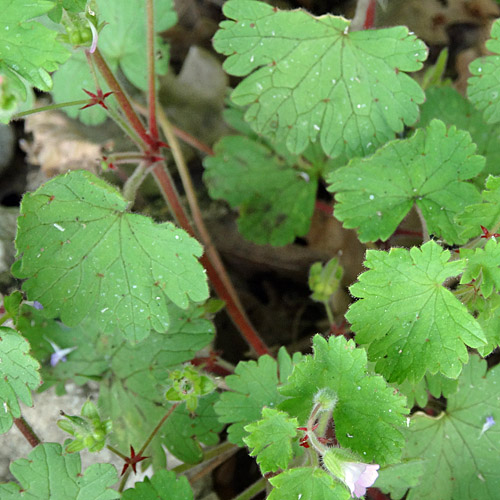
(121, 296)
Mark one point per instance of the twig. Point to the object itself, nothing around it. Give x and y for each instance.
(252, 490)
(153, 127)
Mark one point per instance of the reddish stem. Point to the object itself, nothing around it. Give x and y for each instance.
(121, 97)
(27, 431)
(223, 288)
(370, 15)
(153, 127)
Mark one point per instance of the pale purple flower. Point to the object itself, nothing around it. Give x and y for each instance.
(59, 354)
(359, 476)
(37, 305)
(490, 422)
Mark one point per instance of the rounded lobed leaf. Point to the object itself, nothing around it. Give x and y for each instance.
(428, 170)
(309, 77)
(84, 254)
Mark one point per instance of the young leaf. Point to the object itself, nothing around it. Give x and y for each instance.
(48, 472)
(18, 376)
(29, 49)
(83, 253)
(370, 431)
(374, 194)
(449, 106)
(310, 77)
(483, 266)
(482, 87)
(459, 447)
(412, 324)
(255, 384)
(74, 6)
(276, 200)
(486, 214)
(162, 486)
(270, 439)
(307, 483)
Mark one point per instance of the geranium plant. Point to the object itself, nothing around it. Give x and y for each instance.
(402, 399)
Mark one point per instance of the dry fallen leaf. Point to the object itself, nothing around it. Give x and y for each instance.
(58, 145)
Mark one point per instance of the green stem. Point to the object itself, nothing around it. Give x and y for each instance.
(425, 231)
(146, 443)
(134, 181)
(116, 452)
(219, 450)
(51, 107)
(329, 312)
(211, 259)
(252, 490)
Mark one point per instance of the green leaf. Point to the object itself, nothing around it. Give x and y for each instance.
(15, 94)
(123, 40)
(449, 106)
(253, 386)
(48, 472)
(409, 321)
(374, 194)
(396, 479)
(307, 483)
(483, 85)
(133, 395)
(122, 43)
(461, 456)
(483, 266)
(310, 77)
(74, 6)
(184, 431)
(18, 376)
(84, 254)
(276, 200)
(372, 431)
(29, 49)
(417, 393)
(270, 439)
(162, 486)
(485, 214)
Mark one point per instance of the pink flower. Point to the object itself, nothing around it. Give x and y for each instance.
(359, 476)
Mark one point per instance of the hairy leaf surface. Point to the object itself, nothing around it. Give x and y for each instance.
(83, 253)
(270, 439)
(410, 323)
(483, 85)
(337, 366)
(48, 472)
(18, 376)
(162, 486)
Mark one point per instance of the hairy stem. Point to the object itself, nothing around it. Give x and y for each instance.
(224, 283)
(153, 128)
(27, 431)
(121, 97)
(50, 107)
